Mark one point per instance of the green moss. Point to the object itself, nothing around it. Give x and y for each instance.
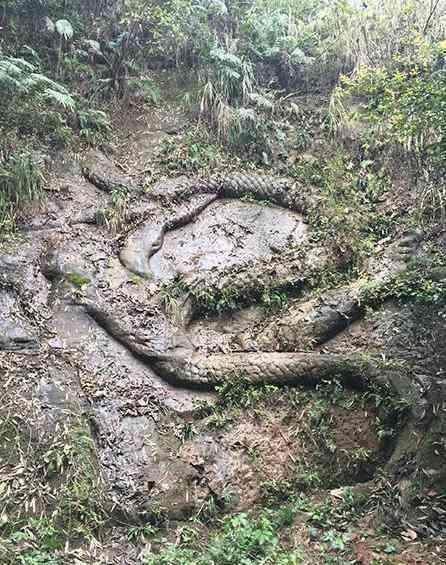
(77, 280)
(135, 279)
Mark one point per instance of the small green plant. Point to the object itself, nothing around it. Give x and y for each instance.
(415, 285)
(336, 541)
(242, 539)
(273, 301)
(61, 496)
(229, 84)
(276, 490)
(21, 184)
(173, 295)
(146, 88)
(94, 126)
(116, 214)
(209, 510)
(136, 534)
(193, 152)
(77, 280)
(186, 431)
(240, 393)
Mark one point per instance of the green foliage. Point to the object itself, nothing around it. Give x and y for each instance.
(182, 29)
(276, 491)
(415, 285)
(405, 106)
(137, 534)
(242, 540)
(77, 280)
(229, 83)
(192, 153)
(146, 88)
(21, 184)
(116, 214)
(240, 393)
(34, 104)
(94, 126)
(218, 302)
(347, 214)
(173, 295)
(20, 78)
(64, 29)
(274, 301)
(60, 495)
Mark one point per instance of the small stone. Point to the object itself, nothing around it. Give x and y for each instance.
(55, 343)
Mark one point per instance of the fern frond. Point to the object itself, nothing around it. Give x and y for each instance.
(7, 81)
(39, 79)
(64, 29)
(19, 63)
(65, 100)
(261, 101)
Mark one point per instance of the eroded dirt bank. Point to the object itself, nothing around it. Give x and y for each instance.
(148, 373)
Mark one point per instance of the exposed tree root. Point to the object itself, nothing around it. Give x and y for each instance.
(280, 191)
(106, 184)
(205, 372)
(312, 323)
(147, 240)
(308, 324)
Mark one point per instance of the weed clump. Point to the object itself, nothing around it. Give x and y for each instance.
(60, 495)
(77, 280)
(21, 184)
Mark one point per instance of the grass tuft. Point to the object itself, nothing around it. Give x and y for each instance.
(21, 184)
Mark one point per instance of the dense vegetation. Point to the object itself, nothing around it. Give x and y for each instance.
(382, 64)
(346, 96)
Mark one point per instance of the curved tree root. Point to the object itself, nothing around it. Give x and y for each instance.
(106, 184)
(280, 369)
(149, 239)
(282, 191)
(205, 372)
(309, 324)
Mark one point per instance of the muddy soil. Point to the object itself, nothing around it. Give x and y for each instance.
(226, 234)
(161, 450)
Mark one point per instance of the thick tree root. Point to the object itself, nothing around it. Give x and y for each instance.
(281, 191)
(293, 369)
(106, 184)
(312, 323)
(147, 240)
(205, 372)
(317, 321)
(212, 292)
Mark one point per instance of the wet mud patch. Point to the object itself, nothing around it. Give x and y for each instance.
(227, 233)
(162, 456)
(267, 445)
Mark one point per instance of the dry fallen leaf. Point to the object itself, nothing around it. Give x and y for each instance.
(409, 535)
